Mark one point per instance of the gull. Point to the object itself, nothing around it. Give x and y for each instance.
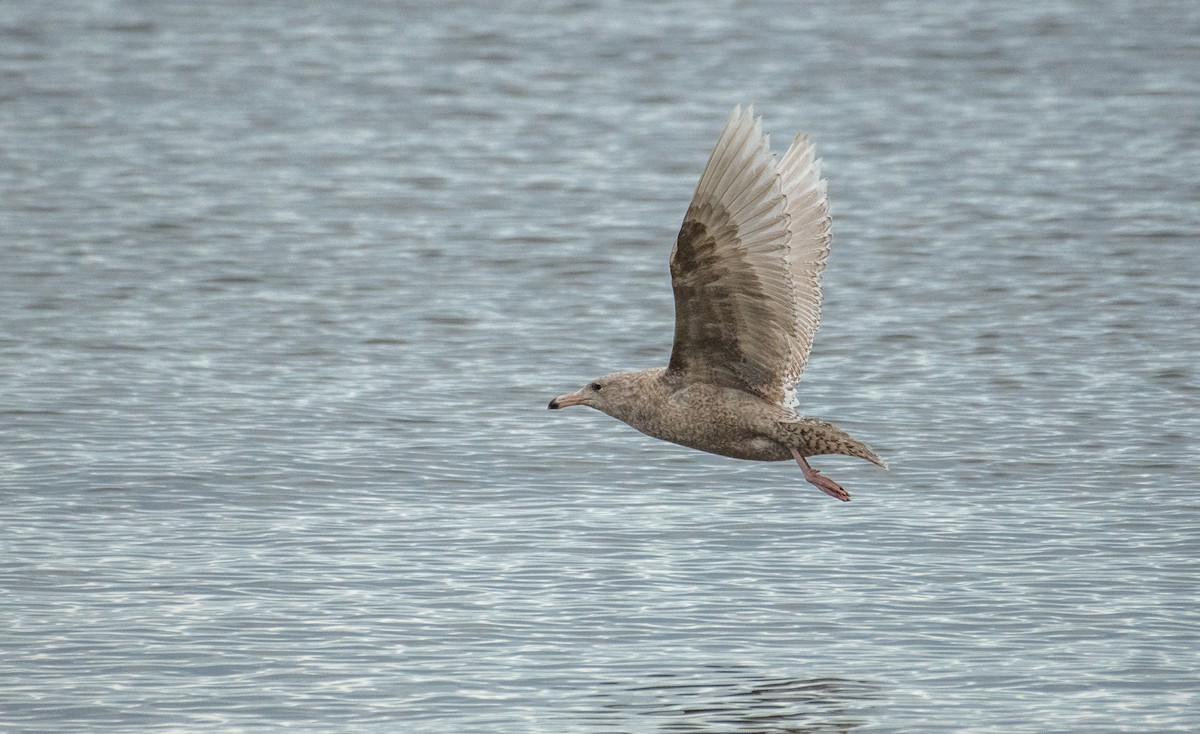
(746, 273)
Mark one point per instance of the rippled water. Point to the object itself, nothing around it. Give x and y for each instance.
(285, 288)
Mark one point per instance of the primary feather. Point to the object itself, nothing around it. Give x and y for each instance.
(746, 266)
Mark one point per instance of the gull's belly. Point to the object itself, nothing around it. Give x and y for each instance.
(738, 445)
(723, 435)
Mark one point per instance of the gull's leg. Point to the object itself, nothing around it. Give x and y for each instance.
(819, 480)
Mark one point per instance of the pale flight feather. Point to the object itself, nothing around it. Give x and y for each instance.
(746, 267)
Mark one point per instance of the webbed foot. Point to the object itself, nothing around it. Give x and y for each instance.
(819, 480)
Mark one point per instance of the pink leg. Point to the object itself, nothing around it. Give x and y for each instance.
(822, 482)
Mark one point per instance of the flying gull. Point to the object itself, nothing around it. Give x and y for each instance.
(746, 271)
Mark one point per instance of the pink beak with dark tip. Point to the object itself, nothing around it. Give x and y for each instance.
(566, 401)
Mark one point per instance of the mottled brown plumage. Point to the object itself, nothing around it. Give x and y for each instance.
(746, 271)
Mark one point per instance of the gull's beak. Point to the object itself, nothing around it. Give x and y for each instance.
(566, 401)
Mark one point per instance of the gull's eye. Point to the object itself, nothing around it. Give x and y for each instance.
(595, 386)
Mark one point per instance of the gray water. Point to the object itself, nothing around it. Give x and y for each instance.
(285, 288)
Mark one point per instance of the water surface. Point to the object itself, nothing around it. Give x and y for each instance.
(285, 289)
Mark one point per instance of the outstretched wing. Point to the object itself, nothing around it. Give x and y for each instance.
(747, 264)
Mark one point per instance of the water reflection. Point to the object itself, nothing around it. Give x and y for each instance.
(735, 699)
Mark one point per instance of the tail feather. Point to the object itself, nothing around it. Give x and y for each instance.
(863, 451)
(813, 436)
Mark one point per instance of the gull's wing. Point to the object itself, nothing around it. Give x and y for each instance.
(747, 265)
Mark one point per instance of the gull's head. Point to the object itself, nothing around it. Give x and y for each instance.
(614, 394)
